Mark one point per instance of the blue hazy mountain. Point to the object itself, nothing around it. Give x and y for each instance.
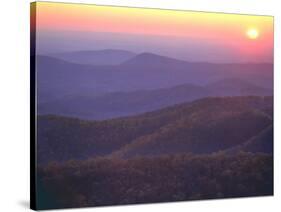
(236, 87)
(98, 57)
(58, 78)
(117, 104)
(199, 72)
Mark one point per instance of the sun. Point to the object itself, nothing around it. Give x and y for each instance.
(252, 33)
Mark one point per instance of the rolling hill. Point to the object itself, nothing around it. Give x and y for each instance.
(118, 104)
(204, 126)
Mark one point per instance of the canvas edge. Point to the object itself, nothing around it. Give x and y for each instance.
(33, 187)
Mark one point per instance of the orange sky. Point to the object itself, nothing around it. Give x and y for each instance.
(224, 28)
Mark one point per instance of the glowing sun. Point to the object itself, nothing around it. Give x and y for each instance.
(252, 33)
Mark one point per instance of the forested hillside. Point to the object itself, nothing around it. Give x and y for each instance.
(106, 181)
(204, 126)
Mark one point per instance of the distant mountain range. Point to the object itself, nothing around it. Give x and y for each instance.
(204, 126)
(117, 104)
(98, 57)
(58, 78)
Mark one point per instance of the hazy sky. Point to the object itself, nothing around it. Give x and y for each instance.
(195, 36)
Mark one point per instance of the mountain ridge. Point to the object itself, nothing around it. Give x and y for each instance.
(96, 57)
(58, 78)
(118, 104)
(187, 127)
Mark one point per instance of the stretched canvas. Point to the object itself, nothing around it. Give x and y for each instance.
(138, 105)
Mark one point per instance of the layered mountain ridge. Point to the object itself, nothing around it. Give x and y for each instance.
(204, 126)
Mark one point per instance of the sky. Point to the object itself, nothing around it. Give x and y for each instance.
(188, 35)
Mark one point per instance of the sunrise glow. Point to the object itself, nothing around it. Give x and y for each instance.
(229, 32)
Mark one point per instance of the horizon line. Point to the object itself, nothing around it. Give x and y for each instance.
(52, 55)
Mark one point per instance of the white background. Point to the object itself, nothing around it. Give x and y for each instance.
(14, 104)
